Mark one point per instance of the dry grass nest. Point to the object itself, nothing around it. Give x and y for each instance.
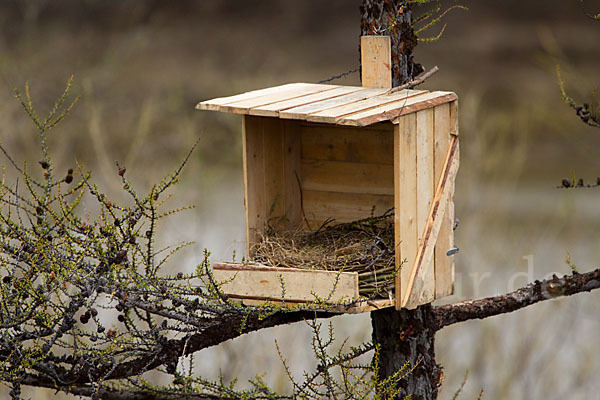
(365, 246)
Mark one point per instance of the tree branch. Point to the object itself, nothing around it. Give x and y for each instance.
(520, 298)
(215, 332)
(106, 393)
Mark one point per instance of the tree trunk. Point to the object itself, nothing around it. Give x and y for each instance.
(405, 336)
(393, 18)
(406, 339)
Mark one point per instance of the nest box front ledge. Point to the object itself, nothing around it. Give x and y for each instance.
(314, 153)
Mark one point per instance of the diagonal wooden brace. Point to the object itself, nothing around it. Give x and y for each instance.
(434, 219)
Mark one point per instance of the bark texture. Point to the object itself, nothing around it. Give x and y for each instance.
(533, 293)
(407, 342)
(393, 18)
(405, 335)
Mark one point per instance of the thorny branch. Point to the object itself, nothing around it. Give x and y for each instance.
(64, 278)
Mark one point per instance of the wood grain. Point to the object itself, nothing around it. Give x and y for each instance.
(320, 206)
(444, 277)
(405, 201)
(335, 115)
(297, 285)
(254, 176)
(376, 61)
(424, 288)
(274, 109)
(350, 144)
(434, 221)
(347, 177)
(302, 112)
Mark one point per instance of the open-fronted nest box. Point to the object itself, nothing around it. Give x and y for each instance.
(316, 152)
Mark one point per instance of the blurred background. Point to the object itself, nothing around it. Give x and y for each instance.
(141, 66)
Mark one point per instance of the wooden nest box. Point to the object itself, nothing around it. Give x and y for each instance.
(315, 152)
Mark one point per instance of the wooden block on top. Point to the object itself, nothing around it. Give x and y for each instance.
(376, 61)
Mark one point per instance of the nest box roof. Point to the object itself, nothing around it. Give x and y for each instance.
(332, 104)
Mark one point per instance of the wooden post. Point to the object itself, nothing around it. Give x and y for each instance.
(376, 61)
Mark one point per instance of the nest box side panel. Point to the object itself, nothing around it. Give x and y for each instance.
(424, 290)
(405, 200)
(446, 125)
(271, 155)
(426, 155)
(347, 172)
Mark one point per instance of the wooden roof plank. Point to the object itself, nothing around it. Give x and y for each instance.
(273, 109)
(333, 114)
(215, 104)
(333, 104)
(302, 112)
(244, 106)
(390, 112)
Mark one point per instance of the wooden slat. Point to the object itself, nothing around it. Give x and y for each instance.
(443, 263)
(424, 288)
(355, 307)
(333, 115)
(265, 283)
(434, 221)
(376, 61)
(320, 206)
(243, 106)
(215, 104)
(292, 172)
(274, 181)
(273, 109)
(405, 216)
(389, 111)
(333, 143)
(254, 175)
(303, 112)
(446, 97)
(347, 177)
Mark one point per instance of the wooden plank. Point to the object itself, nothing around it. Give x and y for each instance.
(254, 194)
(320, 206)
(389, 111)
(333, 143)
(262, 282)
(405, 188)
(292, 172)
(424, 288)
(347, 177)
(274, 181)
(302, 112)
(355, 307)
(273, 109)
(333, 115)
(215, 104)
(442, 262)
(434, 221)
(376, 61)
(394, 114)
(243, 106)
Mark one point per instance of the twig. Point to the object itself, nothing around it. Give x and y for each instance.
(414, 82)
